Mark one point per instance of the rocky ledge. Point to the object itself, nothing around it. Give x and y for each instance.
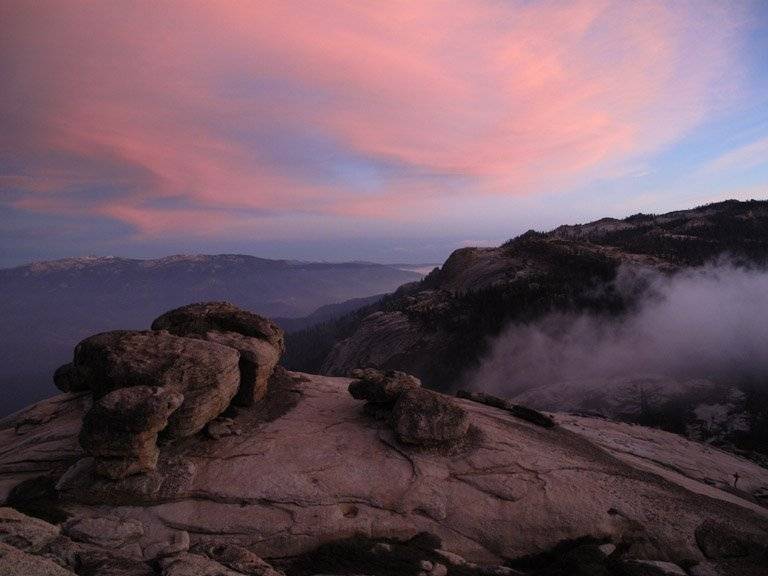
(270, 471)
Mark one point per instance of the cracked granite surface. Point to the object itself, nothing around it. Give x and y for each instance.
(310, 466)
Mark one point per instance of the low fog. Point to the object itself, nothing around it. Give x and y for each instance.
(709, 322)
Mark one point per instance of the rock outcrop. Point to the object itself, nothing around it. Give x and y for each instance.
(121, 429)
(205, 373)
(201, 318)
(426, 418)
(418, 416)
(176, 379)
(380, 387)
(259, 341)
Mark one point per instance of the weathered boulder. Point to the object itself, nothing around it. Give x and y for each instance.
(418, 416)
(67, 379)
(206, 373)
(199, 319)
(380, 387)
(259, 341)
(120, 431)
(258, 359)
(426, 418)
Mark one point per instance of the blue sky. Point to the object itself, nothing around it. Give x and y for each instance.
(357, 131)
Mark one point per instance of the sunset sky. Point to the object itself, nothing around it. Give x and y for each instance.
(390, 131)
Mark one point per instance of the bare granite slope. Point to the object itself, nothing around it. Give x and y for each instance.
(309, 466)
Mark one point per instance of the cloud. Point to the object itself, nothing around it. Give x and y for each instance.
(709, 322)
(343, 109)
(742, 158)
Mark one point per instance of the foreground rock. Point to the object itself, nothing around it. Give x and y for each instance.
(176, 380)
(380, 387)
(205, 373)
(517, 410)
(201, 318)
(259, 341)
(419, 417)
(121, 429)
(311, 467)
(426, 418)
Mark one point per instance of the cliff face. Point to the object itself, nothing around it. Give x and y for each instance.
(450, 316)
(308, 465)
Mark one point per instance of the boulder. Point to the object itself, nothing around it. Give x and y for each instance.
(120, 431)
(380, 387)
(206, 373)
(259, 341)
(199, 319)
(425, 418)
(258, 359)
(66, 378)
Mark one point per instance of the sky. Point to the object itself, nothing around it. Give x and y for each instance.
(390, 131)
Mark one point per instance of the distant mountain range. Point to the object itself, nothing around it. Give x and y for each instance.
(47, 307)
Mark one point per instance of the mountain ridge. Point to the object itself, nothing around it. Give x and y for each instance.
(442, 329)
(563, 265)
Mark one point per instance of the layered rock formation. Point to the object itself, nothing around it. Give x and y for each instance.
(308, 482)
(175, 380)
(258, 340)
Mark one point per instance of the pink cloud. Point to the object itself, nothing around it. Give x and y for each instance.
(173, 100)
